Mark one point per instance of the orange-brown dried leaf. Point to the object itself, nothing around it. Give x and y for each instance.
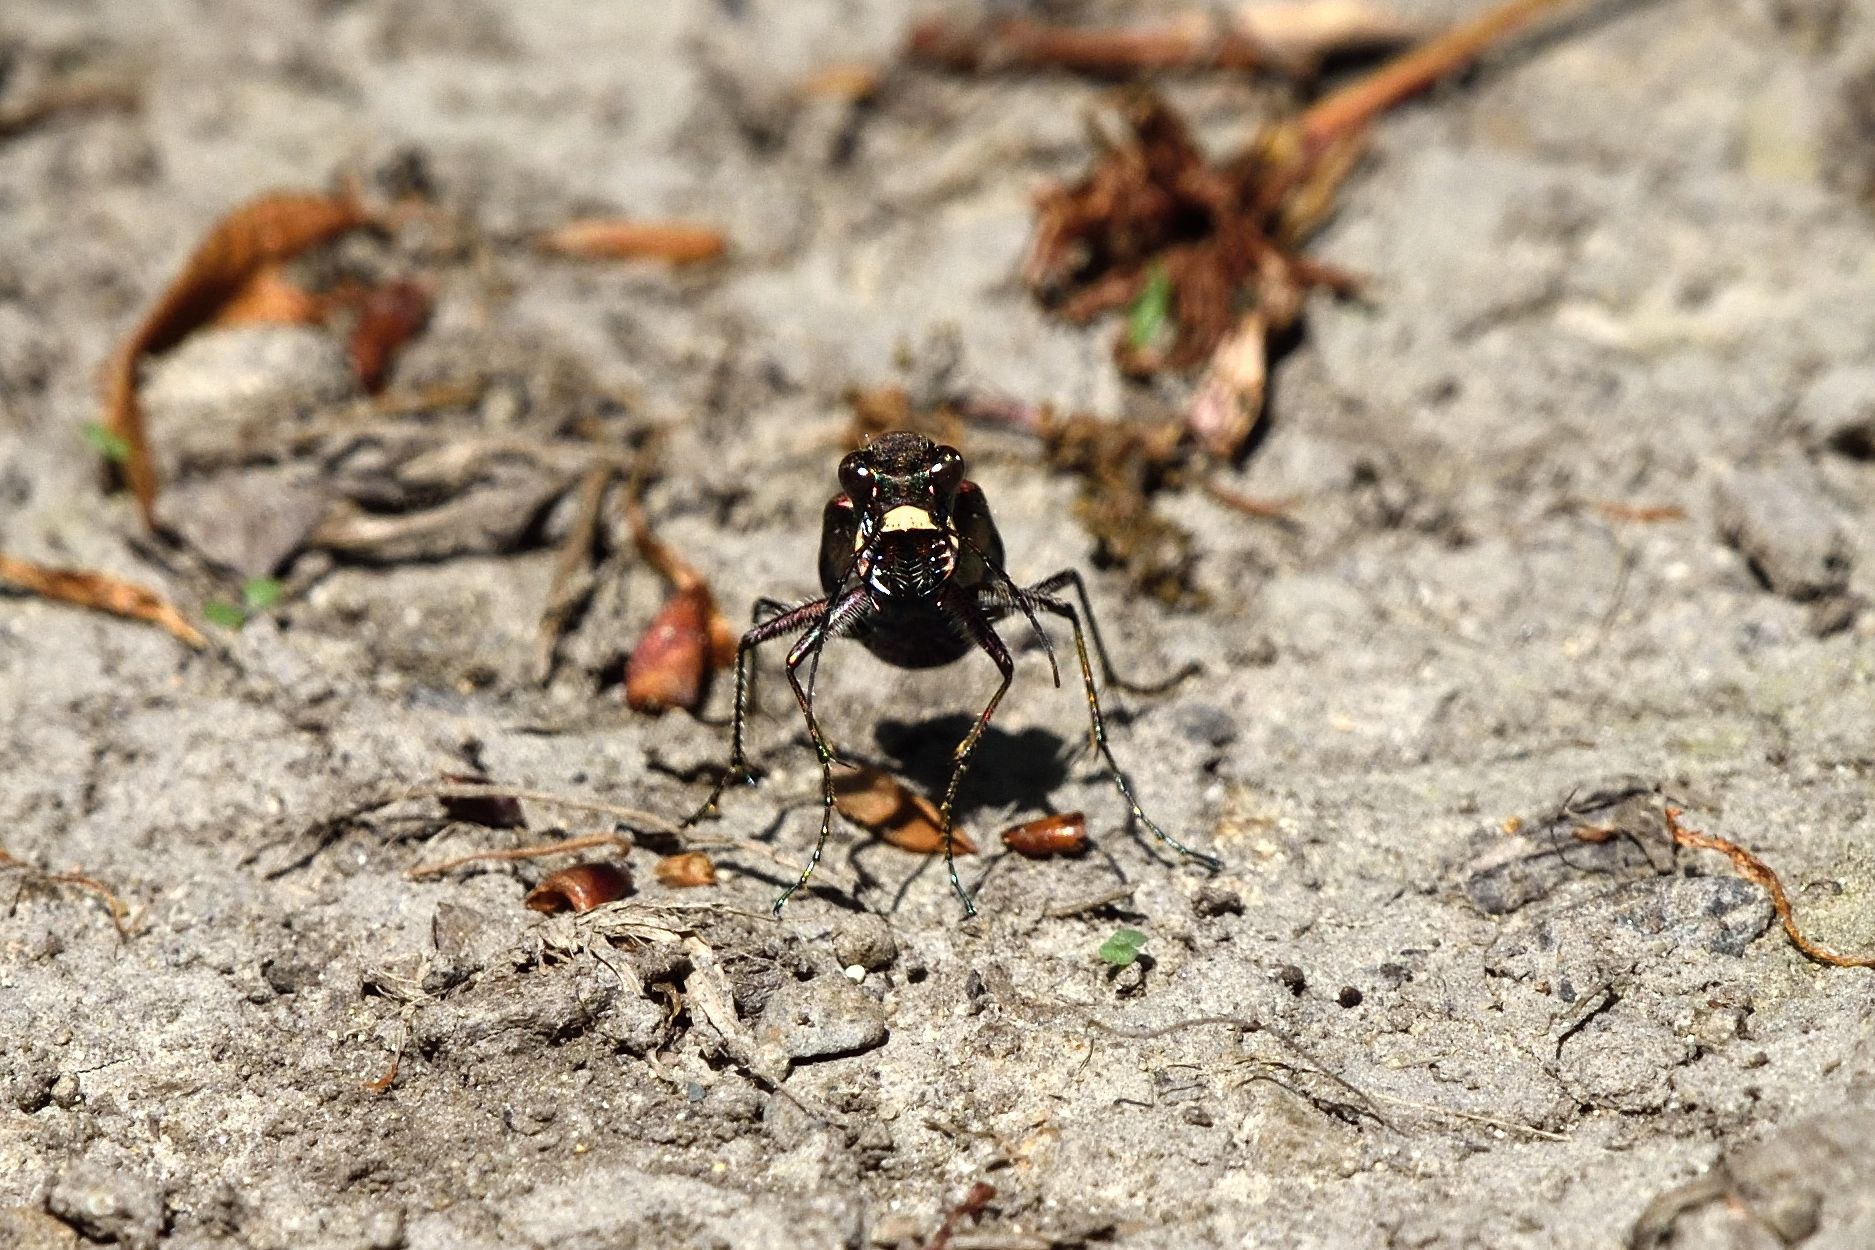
(670, 666)
(263, 232)
(614, 238)
(271, 298)
(1064, 833)
(580, 888)
(876, 801)
(686, 871)
(1755, 870)
(100, 592)
(389, 316)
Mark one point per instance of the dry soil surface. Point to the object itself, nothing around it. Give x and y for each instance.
(1625, 266)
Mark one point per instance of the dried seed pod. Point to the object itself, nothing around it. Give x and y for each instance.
(581, 888)
(692, 868)
(1064, 833)
(671, 664)
(876, 801)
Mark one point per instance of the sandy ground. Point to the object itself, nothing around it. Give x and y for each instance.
(1625, 264)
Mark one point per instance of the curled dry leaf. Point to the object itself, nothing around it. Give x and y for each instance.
(101, 592)
(389, 316)
(261, 233)
(615, 238)
(692, 868)
(686, 641)
(1755, 870)
(875, 800)
(580, 888)
(1062, 834)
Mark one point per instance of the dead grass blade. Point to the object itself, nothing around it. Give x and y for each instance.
(617, 238)
(260, 233)
(101, 593)
(1756, 871)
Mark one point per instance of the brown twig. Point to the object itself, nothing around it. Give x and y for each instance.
(1200, 42)
(1755, 870)
(618, 842)
(101, 592)
(609, 238)
(1345, 113)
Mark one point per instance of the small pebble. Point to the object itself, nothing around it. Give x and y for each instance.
(1349, 996)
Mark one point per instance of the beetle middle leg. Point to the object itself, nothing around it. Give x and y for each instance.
(1040, 597)
(964, 612)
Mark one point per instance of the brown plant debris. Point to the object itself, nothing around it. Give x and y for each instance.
(1204, 254)
(259, 234)
(876, 801)
(78, 95)
(120, 914)
(1615, 510)
(685, 871)
(687, 640)
(617, 238)
(1756, 871)
(389, 316)
(580, 888)
(101, 592)
(1062, 834)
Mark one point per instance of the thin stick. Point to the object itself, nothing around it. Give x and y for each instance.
(1755, 870)
(562, 847)
(1348, 110)
(119, 913)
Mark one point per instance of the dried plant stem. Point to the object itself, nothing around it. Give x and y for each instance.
(565, 846)
(119, 913)
(1339, 116)
(1755, 870)
(101, 592)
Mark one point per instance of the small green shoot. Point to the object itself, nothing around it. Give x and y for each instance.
(1123, 947)
(260, 593)
(225, 614)
(1150, 316)
(107, 443)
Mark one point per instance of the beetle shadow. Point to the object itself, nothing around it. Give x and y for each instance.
(1007, 769)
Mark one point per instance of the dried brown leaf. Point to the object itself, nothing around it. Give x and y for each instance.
(876, 801)
(101, 592)
(687, 640)
(615, 238)
(1189, 41)
(263, 232)
(1062, 834)
(690, 869)
(580, 888)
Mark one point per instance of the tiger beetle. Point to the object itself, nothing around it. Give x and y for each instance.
(912, 567)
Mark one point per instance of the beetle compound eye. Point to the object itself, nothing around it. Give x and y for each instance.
(856, 477)
(948, 472)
